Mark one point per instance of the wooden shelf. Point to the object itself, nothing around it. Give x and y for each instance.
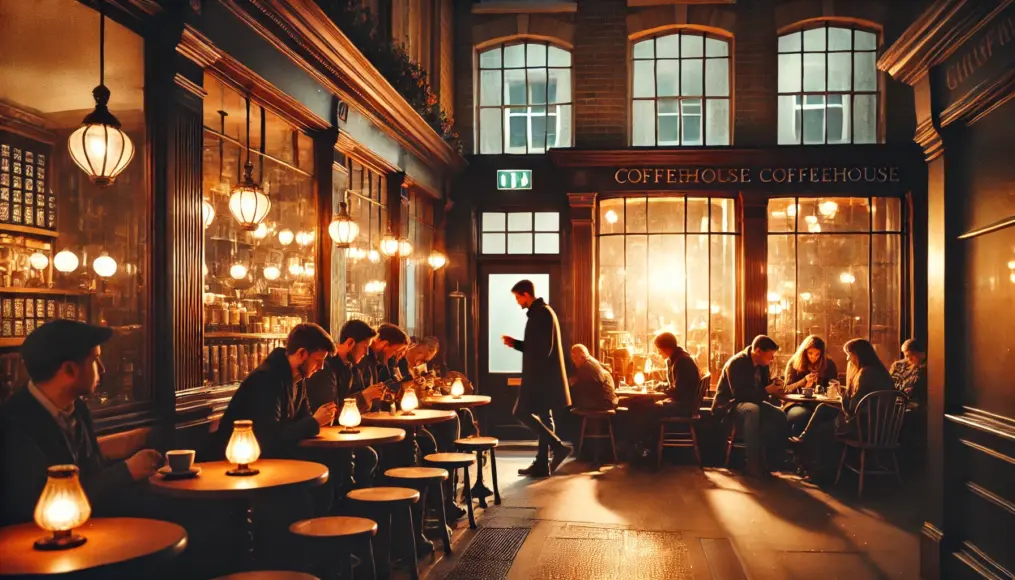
(43, 291)
(16, 229)
(248, 335)
(11, 342)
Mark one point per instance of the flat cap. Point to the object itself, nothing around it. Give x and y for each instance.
(59, 341)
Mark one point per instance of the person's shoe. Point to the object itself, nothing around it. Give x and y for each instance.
(559, 456)
(537, 469)
(455, 512)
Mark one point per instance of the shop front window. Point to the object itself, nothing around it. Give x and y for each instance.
(417, 291)
(835, 270)
(666, 264)
(364, 268)
(68, 248)
(260, 284)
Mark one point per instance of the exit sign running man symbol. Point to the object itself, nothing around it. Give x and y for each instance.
(514, 179)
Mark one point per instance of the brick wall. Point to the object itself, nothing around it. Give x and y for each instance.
(447, 56)
(600, 74)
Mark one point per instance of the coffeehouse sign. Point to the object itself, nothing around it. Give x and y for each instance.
(755, 177)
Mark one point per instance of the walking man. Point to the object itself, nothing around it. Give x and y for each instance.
(544, 381)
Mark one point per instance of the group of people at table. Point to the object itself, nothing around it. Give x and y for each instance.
(770, 411)
(290, 398)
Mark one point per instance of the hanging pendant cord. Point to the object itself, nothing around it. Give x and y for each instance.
(248, 128)
(102, 43)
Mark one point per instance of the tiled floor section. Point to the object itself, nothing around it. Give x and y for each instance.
(683, 522)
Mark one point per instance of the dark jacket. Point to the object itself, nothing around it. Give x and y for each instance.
(33, 441)
(794, 376)
(869, 379)
(276, 403)
(593, 388)
(737, 383)
(544, 380)
(366, 370)
(335, 382)
(684, 378)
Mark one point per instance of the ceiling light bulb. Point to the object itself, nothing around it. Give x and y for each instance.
(66, 261)
(238, 271)
(285, 237)
(38, 260)
(271, 272)
(104, 265)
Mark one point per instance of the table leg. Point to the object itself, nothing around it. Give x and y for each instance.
(424, 545)
(245, 514)
(412, 447)
(480, 491)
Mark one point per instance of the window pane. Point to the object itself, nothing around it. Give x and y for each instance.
(691, 122)
(537, 86)
(667, 76)
(814, 40)
(493, 244)
(666, 288)
(717, 77)
(547, 221)
(611, 286)
(547, 244)
(644, 78)
(505, 318)
(886, 295)
(668, 46)
(789, 42)
(717, 130)
(715, 47)
(840, 38)
(723, 301)
(789, 126)
(782, 214)
(789, 73)
(813, 120)
(865, 40)
(843, 214)
(560, 85)
(537, 134)
(865, 119)
(697, 214)
(887, 214)
(691, 78)
(517, 132)
(665, 214)
(864, 71)
(536, 55)
(814, 72)
(643, 123)
(519, 243)
(563, 126)
(558, 57)
(723, 218)
(839, 71)
(838, 119)
(636, 217)
(514, 87)
(669, 122)
(514, 56)
(490, 139)
(519, 221)
(644, 49)
(489, 87)
(494, 221)
(691, 45)
(636, 269)
(611, 216)
(782, 296)
(490, 58)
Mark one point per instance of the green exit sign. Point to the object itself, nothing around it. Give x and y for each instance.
(513, 179)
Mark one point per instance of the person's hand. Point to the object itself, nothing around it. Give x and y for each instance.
(144, 464)
(774, 388)
(508, 341)
(325, 414)
(811, 379)
(373, 392)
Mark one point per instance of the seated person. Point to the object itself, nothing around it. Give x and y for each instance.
(444, 434)
(910, 373)
(808, 368)
(418, 354)
(683, 377)
(274, 396)
(388, 344)
(46, 423)
(592, 385)
(743, 388)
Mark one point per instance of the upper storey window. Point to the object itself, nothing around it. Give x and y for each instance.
(524, 101)
(681, 90)
(828, 86)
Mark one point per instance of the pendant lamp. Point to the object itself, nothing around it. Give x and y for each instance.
(247, 201)
(389, 244)
(343, 230)
(99, 146)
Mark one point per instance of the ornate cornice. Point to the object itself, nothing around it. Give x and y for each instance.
(196, 47)
(364, 155)
(190, 86)
(980, 101)
(929, 139)
(232, 72)
(937, 34)
(581, 200)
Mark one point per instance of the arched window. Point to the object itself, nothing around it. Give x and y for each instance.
(681, 90)
(524, 101)
(828, 86)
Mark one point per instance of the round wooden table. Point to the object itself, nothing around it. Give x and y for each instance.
(334, 438)
(450, 403)
(411, 423)
(798, 398)
(110, 542)
(638, 393)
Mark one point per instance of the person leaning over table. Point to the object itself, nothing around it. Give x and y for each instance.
(446, 433)
(375, 367)
(910, 373)
(808, 368)
(592, 387)
(683, 379)
(47, 423)
(743, 388)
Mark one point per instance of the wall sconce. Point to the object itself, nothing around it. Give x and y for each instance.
(242, 448)
(62, 507)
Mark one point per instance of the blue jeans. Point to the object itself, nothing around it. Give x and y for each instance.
(763, 426)
(798, 416)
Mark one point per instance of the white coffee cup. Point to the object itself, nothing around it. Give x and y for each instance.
(180, 460)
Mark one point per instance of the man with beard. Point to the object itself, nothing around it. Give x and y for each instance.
(381, 358)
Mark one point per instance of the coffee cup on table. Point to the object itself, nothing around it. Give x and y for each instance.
(180, 460)
(807, 392)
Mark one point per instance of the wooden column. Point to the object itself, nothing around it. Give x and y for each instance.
(327, 207)
(754, 260)
(583, 269)
(396, 215)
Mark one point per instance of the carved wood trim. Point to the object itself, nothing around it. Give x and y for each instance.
(985, 422)
(190, 86)
(980, 101)
(991, 497)
(928, 138)
(25, 123)
(930, 551)
(988, 451)
(980, 562)
(371, 160)
(231, 72)
(197, 48)
(794, 156)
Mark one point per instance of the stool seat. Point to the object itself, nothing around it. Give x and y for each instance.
(424, 473)
(384, 495)
(477, 443)
(334, 527)
(594, 412)
(453, 460)
(269, 575)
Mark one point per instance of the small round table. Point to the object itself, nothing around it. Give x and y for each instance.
(465, 404)
(110, 542)
(798, 398)
(213, 483)
(344, 444)
(640, 394)
(411, 423)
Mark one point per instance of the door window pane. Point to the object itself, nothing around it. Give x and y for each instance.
(506, 318)
(520, 232)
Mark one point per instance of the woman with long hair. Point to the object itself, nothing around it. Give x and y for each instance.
(809, 367)
(865, 374)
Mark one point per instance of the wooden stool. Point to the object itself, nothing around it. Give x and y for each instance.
(385, 501)
(688, 438)
(451, 462)
(269, 575)
(599, 419)
(422, 479)
(481, 445)
(343, 533)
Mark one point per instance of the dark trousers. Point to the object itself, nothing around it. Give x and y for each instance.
(541, 425)
(763, 426)
(798, 416)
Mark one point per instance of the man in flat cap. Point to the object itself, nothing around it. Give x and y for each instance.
(46, 423)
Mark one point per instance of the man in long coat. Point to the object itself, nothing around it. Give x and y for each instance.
(544, 380)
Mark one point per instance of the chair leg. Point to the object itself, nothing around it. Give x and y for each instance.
(442, 517)
(479, 475)
(659, 449)
(613, 442)
(493, 468)
(898, 472)
(863, 469)
(694, 442)
(581, 438)
(842, 461)
(468, 495)
(370, 563)
(729, 444)
(410, 545)
(597, 429)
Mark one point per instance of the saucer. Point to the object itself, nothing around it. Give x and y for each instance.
(168, 473)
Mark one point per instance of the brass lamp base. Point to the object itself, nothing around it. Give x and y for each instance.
(349, 430)
(243, 470)
(60, 541)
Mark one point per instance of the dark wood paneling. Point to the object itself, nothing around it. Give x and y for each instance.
(324, 159)
(754, 265)
(582, 271)
(396, 213)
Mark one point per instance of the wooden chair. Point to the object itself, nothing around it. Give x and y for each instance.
(682, 437)
(382, 503)
(341, 537)
(602, 424)
(451, 462)
(878, 421)
(423, 479)
(481, 445)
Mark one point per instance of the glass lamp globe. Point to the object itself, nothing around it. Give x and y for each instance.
(99, 146)
(389, 245)
(639, 378)
(285, 237)
(437, 260)
(242, 448)
(343, 230)
(38, 260)
(374, 256)
(611, 217)
(104, 265)
(66, 261)
(828, 208)
(409, 401)
(295, 269)
(248, 203)
(847, 278)
(261, 232)
(271, 272)
(207, 213)
(349, 418)
(457, 389)
(304, 239)
(238, 271)
(62, 507)
(404, 248)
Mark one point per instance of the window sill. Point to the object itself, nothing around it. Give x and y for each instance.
(524, 7)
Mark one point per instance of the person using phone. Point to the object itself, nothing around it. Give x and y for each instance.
(808, 368)
(377, 366)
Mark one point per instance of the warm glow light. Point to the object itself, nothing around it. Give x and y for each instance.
(1011, 265)
(389, 245)
(457, 388)
(847, 278)
(38, 260)
(204, 269)
(238, 271)
(374, 256)
(611, 217)
(779, 214)
(791, 210)
(437, 260)
(716, 309)
(343, 230)
(295, 269)
(242, 448)
(285, 237)
(774, 297)
(101, 150)
(104, 265)
(248, 203)
(207, 213)
(805, 296)
(639, 378)
(66, 261)
(62, 507)
(814, 228)
(811, 219)
(309, 270)
(271, 272)
(349, 418)
(828, 208)
(1012, 277)
(776, 309)
(404, 248)
(261, 232)
(304, 239)
(409, 401)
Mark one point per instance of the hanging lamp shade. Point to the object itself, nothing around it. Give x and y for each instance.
(285, 237)
(248, 203)
(238, 271)
(38, 260)
(343, 230)
(389, 244)
(66, 261)
(271, 272)
(404, 248)
(104, 265)
(437, 260)
(207, 213)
